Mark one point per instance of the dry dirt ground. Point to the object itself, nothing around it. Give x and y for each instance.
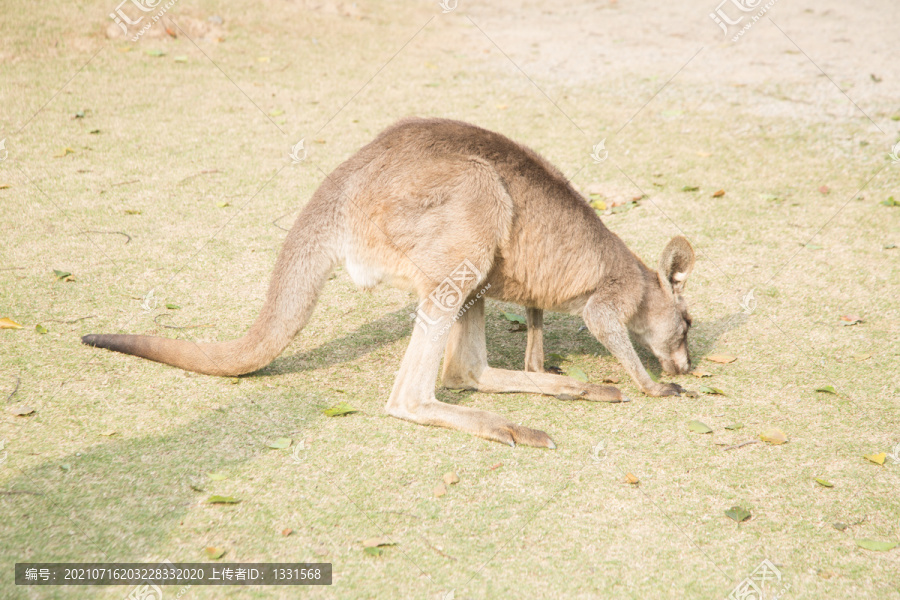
(157, 173)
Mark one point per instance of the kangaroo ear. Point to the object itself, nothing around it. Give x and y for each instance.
(676, 263)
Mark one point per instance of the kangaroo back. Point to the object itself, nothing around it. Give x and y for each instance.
(306, 259)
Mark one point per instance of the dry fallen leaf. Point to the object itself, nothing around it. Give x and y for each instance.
(7, 323)
(377, 542)
(630, 478)
(577, 373)
(738, 514)
(824, 190)
(495, 466)
(439, 490)
(24, 411)
(876, 545)
(774, 436)
(698, 427)
(878, 459)
(214, 553)
(723, 359)
(222, 500)
(286, 532)
(700, 373)
(706, 389)
(339, 410)
(109, 433)
(451, 478)
(718, 194)
(610, 380)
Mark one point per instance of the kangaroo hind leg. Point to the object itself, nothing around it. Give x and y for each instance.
(457, 259)
(534, 349)
(465, 361)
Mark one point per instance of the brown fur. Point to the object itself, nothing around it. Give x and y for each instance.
(422, 199)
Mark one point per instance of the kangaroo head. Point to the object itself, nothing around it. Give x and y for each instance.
(662, 321)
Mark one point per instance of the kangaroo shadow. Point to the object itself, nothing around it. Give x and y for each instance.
(506, 347)
(125, 497)
(369, 337)
(705, 334)
(563, 334)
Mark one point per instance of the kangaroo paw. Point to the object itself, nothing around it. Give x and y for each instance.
(597, 393)
(665, 389)
(603, 393)
(512, 434)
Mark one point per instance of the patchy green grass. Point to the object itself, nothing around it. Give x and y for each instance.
(191, 161)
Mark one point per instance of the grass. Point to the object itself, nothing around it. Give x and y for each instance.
(179, 139)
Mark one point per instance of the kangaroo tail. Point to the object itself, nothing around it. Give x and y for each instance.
(306, 259)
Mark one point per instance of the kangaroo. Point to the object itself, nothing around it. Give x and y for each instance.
(456, 214)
